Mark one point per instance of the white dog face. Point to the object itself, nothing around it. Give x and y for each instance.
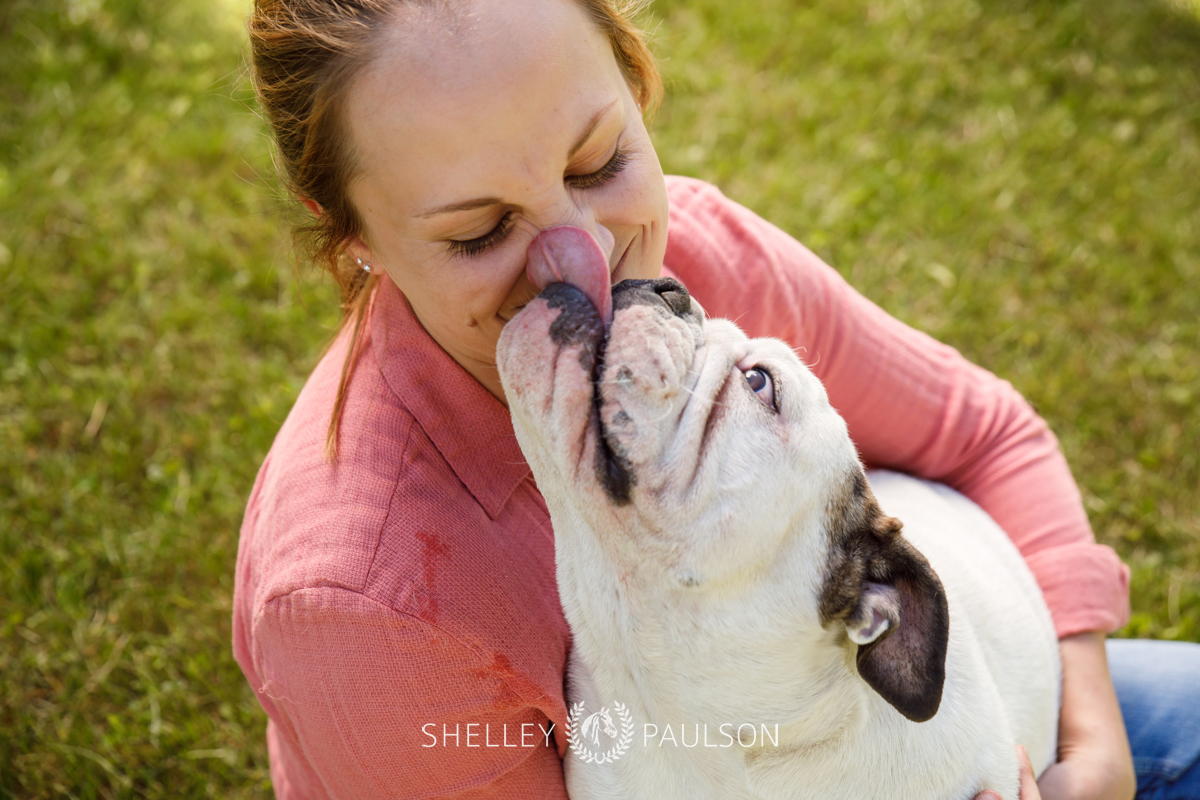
(701, 459)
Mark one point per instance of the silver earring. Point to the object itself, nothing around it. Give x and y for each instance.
(359, 261)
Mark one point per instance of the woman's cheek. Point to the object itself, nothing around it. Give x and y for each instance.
(494, 283)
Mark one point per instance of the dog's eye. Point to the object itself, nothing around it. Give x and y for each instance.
(760, 383)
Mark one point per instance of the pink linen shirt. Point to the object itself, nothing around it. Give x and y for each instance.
(397, 612)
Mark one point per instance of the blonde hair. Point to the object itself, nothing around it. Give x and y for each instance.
(304, 54)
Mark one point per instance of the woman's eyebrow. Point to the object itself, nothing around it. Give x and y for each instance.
(466, 205)
(480, 202)
(591, 128)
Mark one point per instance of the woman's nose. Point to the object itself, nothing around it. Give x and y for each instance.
(566, 254)
(575, 216)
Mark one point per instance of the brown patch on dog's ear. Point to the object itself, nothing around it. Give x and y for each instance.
(891, 602)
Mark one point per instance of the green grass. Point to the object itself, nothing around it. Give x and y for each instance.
(1020, 178)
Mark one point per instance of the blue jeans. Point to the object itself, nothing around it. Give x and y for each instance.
(1158, 687)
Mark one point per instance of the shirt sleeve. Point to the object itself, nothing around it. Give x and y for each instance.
(368, 703)
(911, 403)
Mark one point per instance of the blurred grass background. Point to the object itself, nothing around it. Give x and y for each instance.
(1020, 178)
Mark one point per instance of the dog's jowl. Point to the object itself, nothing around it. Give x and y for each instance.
(752, 616)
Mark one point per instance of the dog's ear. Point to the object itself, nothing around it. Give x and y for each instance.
(905, 662)
(894, 610)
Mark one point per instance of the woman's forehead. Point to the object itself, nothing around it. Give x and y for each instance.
(480, 46)
(509, 84)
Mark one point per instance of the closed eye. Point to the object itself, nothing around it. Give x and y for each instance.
(592, 180)
(473, 247)
(610, 170)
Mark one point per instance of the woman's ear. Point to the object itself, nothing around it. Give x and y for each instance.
(356, 248)
(312, 206)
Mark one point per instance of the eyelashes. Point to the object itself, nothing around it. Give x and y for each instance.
(603, 175)
(481, 244)
(473, 247)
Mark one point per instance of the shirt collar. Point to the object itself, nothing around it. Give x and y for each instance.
(466, 423)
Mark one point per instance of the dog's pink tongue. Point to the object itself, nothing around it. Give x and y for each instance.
(571, 255)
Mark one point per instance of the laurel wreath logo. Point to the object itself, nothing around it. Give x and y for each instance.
(575, 737)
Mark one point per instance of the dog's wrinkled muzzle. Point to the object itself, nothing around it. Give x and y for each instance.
(643, 380)
(565, 399)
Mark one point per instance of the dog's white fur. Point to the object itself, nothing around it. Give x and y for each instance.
(696, 597)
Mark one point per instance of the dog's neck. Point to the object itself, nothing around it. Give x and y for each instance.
(631, 661)
(632, 657)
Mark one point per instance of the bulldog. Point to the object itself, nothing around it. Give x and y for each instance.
(723, 560)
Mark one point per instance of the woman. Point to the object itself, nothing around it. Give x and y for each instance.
(395, 584)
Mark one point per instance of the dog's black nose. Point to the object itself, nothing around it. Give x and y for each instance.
(661, 291)
(674, 294)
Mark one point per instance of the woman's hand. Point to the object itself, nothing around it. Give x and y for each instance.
(1029, 787)
(1094, 760)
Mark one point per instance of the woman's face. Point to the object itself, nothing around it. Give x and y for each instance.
(474, 130)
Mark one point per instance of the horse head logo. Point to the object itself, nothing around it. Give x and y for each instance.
(593, 722)
(583, 732)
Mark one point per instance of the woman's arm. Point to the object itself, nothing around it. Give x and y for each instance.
(368, 702)
(1093, 750)
(1094, 758)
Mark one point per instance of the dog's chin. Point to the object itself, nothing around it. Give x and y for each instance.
(613, 469)
(577, 326)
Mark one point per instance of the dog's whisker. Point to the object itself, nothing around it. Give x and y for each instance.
(683, 388)
(711, 400)
(659, 419)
